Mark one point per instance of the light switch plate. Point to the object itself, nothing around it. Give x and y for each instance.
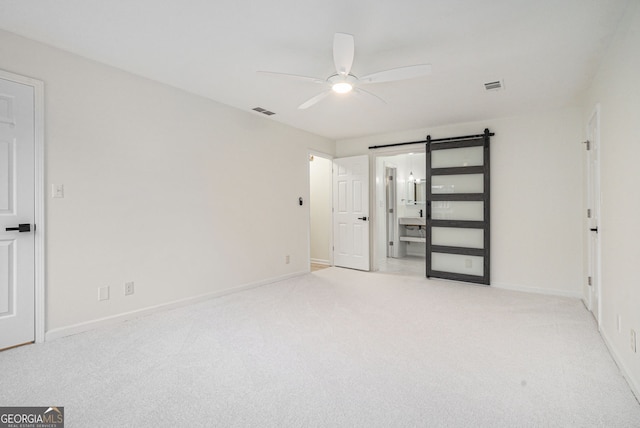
(103, 293)
(57, 190)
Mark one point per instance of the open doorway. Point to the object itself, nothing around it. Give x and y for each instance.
(400, 223)
(320, 213)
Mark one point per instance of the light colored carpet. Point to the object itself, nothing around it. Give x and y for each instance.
(336, 348)
(408, 265)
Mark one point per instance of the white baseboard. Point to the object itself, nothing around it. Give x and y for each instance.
(115, 319)
(634, 384)
(321, 262)
(536, 290)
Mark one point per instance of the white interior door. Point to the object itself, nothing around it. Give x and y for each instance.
(17, 212)
(593, 213)
(351, 212)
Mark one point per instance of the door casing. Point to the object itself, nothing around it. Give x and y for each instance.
(392, 210)
(592, 187)
(330, 231)
(40, 193)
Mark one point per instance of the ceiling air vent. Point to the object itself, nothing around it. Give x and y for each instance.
(494, 86)
(263, 111)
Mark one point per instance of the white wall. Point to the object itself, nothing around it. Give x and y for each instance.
(321, 201)
(536, 196)
(617, 89)
(180, 194)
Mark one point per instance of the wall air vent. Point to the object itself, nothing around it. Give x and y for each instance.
(263, 111)
(494, 86)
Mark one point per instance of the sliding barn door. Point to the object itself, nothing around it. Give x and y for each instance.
(458, 209)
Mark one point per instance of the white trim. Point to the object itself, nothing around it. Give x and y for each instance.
(418, 147)
(127, 316)
(40, 194)
(321, 154)
(321, 262)
(373, 216)
(537, 290)
(597, 183)
(635, 387)
(599, 246)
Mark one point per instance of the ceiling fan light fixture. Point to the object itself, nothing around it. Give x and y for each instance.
(343, 82)
(342, 87)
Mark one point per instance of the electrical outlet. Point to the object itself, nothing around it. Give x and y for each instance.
(103, 293)
(128, 288)
(633, 340)
(287, 259)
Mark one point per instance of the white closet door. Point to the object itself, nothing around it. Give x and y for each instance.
(17, 213)
(351, 212)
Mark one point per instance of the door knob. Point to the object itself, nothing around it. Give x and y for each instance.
(362, 218)
(20, 228)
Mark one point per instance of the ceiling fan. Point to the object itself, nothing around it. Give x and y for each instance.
(344, 82)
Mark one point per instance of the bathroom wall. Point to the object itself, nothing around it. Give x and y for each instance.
(404, 164)
(407, 164)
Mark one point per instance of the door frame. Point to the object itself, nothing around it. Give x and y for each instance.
(40, 193)
(330, 158)
(418, 147)
(391, 198)
(589, 182)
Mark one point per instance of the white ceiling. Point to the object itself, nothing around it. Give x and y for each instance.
(547, 51)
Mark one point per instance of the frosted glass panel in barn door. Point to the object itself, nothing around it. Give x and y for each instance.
(351, 212)
(458, 208)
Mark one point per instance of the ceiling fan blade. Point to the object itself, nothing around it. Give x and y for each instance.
(400, 73)
(343, 51)
(293, 76)
(314, 100)
(368, 95)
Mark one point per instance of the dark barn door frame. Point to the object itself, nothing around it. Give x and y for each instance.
(482, 140)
